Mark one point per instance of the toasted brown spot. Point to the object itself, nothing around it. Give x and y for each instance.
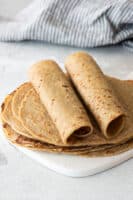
(5, 125)
(65, 86)
(2, 106)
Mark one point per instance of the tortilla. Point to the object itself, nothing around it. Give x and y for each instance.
(96, 92)
(60, 100)
(8, 117)
(123, 88)
(18, 96)
(36, 119)
(23, 141)
(26, 121)
(37, 128)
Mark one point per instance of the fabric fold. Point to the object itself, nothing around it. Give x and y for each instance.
(96, 92)
(79, 23)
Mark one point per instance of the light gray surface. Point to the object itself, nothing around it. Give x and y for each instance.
(22, 178)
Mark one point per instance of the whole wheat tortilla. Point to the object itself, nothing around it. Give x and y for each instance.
(36, 119)
(125, 91)
(8, 117)
(99, 147)
(40, 146)
(97, 93)
(30, 118)
(33, 127)
(33, 120)
(61, 101)
(29, 110)
(18, 96)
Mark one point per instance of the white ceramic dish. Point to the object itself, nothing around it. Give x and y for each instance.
(73, 166)
(76, 166)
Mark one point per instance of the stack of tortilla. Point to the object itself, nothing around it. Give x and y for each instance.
(82, 112)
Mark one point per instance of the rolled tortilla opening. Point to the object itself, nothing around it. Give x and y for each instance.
(60, 100)
(96, 92)
(82, 132)
(79, 134)
(115, 126)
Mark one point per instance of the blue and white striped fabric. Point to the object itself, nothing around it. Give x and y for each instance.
(82, 23)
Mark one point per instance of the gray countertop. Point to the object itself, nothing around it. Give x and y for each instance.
(22, 178)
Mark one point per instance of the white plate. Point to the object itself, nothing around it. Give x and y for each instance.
(74, 166)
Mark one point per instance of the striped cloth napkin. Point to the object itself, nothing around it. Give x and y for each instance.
(81, 23)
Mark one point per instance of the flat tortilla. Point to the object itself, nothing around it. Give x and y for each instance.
(94, 151)
(8, 117)
(18, 96)
(36, 119)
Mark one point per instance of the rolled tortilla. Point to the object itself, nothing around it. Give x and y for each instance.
(96, 92)
(60, 100)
